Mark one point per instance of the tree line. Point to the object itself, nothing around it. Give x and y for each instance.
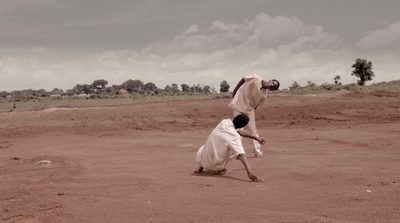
(362, 70)
(100, 87)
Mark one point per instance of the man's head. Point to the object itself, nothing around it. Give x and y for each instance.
(271, 84)
(240, 121)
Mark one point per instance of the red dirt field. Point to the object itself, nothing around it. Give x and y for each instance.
(328, 158)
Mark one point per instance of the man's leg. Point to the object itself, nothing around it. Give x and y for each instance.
(251, 127)
(224, 170)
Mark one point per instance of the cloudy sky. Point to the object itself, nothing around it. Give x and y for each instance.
(46, 44)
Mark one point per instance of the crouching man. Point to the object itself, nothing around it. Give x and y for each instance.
(223, 144)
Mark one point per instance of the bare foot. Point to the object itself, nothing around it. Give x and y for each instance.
(258, 155)
(198, 170)
(223, 172)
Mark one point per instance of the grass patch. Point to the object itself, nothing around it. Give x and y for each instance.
(24, 104)
(392, 86)
(36, 103)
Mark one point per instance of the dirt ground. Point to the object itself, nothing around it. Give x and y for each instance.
(328, 158)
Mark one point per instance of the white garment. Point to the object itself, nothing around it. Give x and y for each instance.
(250, 95)
(222, 144)
(252, 129)
(247, 98)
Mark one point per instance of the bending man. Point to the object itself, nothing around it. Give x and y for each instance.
(250, 93)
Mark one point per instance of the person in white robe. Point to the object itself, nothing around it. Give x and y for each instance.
(223, 144)
(249, 94)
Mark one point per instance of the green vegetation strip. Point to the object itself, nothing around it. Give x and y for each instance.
(93, 101)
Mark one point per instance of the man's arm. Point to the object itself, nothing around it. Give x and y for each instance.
(246, 165)
(241, 82)
(247, 135)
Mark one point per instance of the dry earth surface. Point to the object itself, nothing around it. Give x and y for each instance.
(329, 158)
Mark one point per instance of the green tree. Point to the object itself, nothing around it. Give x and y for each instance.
(150, 87)
(17, 94)
(100, 84)
(112, 90)
(78, 89)
(82, 88)
(68, 92)
(29, 92)
(185, 88)
(42, 93)
(294, 86)
(363, 70)
(133, 85)
(175, 88)
(87, 89)
(337, 79)
(196, 89)
(57, 91)
(224, 86)
(168, 89)
(207, 89)
(311, 84)
(4, 94)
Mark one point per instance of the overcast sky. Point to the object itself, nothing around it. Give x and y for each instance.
(46, 44)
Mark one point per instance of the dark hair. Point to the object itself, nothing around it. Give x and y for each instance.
(240, 121)
(276, 86)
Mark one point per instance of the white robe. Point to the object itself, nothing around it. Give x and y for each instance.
(222, 144)
(250, 95)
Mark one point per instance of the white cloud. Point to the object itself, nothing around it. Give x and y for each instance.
(192, 29)
(382, 39)
(262, 33)
(284, 48)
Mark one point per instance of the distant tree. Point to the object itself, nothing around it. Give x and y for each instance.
(17, 94)
(150, 87)
(337, 79)
(113, 90)
(206, 89)
(175, 88)
(326, 86)
(41, 93)
(57, 91)
(68, 92)
(100, 84)
(28, 92)
(196, 89)
(87, 89)
(4, 94)
(311, 84)
(363, 70)
(294, 86)
(224, 86)
(133, 86)
(82, 88)
(185, 88)
(168, 89)
(138, 85)
(77, 89)
(128, 85)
